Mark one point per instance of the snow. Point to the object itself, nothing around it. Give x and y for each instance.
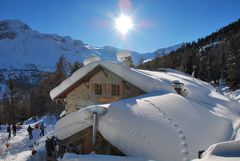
(212, 44)
(93, 157)
(147, 60)
(63, 113)
(235, 95)
(159, 124)
(19, 145)
(224, 151)
(225, 90)
(72, 123)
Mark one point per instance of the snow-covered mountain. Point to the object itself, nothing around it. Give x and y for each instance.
(20, 45)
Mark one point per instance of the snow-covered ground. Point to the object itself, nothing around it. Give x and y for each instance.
(225, 90)
(19, 149)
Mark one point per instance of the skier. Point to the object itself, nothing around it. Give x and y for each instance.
(30, 129)
(42, 129)
(9, 131)
(14, 128)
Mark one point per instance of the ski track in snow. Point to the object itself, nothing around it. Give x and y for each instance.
(183, 142)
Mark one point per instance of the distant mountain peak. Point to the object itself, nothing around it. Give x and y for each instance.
(13, 25)
(21, 45)
(169, 49)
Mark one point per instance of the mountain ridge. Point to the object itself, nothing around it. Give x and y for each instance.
(21, 45)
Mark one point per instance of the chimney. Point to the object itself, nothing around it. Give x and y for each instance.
(125, 58)
(91, 59)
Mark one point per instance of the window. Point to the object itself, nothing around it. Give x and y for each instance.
(98, 89)
(115, 90)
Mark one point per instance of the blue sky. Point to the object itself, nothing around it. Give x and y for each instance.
(158, 23)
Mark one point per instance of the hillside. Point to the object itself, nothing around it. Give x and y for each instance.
(212, 58)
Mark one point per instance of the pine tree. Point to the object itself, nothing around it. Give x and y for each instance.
(75, 66)
(233, 64)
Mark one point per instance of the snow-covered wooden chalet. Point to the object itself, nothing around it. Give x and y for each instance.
(167, 115)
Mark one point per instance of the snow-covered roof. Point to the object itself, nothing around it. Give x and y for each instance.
(134, 76)
(159, 124)
(162, 124)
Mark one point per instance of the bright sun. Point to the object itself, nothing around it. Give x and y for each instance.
(124, 24)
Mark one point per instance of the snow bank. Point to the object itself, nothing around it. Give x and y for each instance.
(225, 90)
(235, 95)
(74, 157)
(225, 151)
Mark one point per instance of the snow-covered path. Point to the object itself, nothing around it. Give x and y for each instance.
(19, 149)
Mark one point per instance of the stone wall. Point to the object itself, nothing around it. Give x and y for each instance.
(84, 95)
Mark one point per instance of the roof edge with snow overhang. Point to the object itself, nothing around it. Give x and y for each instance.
(134, 76)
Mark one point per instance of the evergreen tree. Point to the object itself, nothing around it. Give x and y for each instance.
(75, 66)
(233, 64)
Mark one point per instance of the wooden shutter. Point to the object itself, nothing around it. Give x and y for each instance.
(93, 87)
(104, 88)
(110, 89)
(121, 89)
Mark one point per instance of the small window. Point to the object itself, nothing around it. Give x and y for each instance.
(115, 90)
(98, 89)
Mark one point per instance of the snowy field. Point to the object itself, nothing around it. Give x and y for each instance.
(19, 149)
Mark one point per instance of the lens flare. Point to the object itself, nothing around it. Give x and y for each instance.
(124, 24)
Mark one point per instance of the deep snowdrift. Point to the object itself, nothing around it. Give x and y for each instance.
(162, 123)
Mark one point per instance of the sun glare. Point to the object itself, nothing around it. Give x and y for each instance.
(123, 24)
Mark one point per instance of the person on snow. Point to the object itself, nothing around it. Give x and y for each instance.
(9, 131)
(42, 129)
(30, 129)
(14, 128)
